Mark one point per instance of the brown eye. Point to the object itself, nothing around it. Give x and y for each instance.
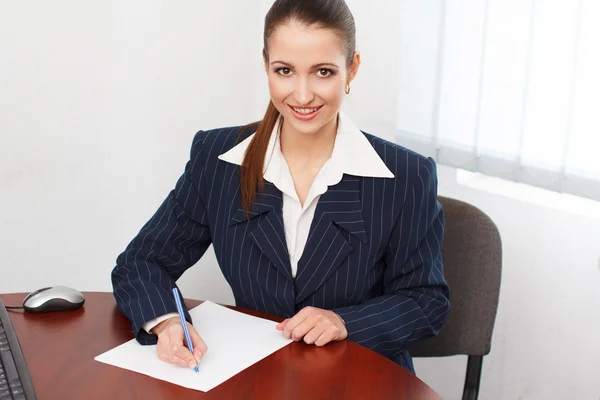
(324, 73)
(284, 71)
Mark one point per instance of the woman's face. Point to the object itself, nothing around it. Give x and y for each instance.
(307, 76)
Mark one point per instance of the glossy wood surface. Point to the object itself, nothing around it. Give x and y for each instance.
(60, 348)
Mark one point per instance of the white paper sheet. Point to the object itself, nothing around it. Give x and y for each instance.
(235, 341)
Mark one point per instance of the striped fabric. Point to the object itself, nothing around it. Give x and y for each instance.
(373, 254)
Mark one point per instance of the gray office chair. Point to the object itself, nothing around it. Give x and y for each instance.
(472, 253)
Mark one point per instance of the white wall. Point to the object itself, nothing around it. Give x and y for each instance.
(98, 108)
(99, 102)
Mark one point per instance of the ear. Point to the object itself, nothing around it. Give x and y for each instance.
(354, 66)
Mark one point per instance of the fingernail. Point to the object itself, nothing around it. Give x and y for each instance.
(192, 365)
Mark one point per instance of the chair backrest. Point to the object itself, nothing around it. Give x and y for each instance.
(472, 254)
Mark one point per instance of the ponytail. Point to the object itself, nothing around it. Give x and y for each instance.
(252, 168)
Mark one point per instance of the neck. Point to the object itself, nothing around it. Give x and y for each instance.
(306, 149)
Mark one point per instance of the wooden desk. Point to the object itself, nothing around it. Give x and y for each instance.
(60, 348)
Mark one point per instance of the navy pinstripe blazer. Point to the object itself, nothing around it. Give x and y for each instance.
(373, 254)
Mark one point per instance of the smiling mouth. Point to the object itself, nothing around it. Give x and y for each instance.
(305, 111)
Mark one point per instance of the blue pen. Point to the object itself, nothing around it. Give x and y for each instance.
(184, 323)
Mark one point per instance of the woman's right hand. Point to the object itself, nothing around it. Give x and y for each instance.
(171, 346)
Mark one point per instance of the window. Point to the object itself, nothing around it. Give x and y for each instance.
(509, 88)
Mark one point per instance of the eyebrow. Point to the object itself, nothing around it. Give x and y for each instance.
(321, 65)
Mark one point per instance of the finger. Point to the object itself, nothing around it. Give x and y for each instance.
(184, 354)
(280, 326)
(180, 354)
(198, 354)
(312, 335)
(303, 328)
(293, 323)
(327, 336)
(180, 362)
(200, 347)
(167, 353)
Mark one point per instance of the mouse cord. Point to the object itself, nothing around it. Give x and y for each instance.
(9, 308)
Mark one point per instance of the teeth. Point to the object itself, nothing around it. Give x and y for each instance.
(305, 110)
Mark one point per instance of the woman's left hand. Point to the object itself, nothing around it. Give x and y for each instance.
(315, 325)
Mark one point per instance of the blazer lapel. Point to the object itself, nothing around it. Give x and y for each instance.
(339, 208)
(269, 234)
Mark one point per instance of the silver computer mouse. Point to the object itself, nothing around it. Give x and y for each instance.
(53, 298)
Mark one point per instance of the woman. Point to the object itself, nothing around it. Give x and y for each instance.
(311, 219)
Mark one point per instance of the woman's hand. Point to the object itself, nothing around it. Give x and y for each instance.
(315, 325)
(170, 347)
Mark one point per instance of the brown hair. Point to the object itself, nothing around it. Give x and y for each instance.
(332, 14)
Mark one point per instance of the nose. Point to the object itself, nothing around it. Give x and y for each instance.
(303, 93)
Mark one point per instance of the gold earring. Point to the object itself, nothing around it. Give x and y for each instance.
(347, 88)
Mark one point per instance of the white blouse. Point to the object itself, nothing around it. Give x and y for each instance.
(352, 154)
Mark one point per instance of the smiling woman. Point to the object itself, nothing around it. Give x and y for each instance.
(310, 58)
(311, 219)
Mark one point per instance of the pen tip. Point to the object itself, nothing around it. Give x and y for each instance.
(196, 369)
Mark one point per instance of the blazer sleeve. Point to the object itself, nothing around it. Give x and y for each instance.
(415, 296)
(172, 241)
